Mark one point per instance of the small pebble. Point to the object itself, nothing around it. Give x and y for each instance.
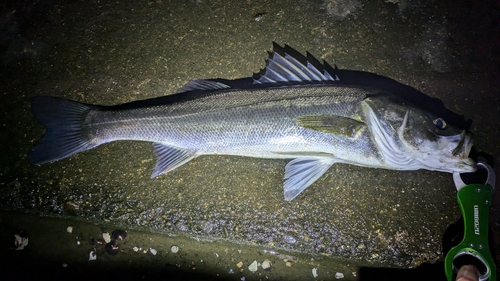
(315, 272)
(266, 265)
(240, 264)
(153, 251)
(20, 242)
(339, 275)
(174, 249)
(69, 229)
(92, 256)
(253, 266)
(289, 264)
(135, 249)
(258, 16)
(106, 237)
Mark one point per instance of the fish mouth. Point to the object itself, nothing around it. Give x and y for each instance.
(468, 143)
(464, 146)
(462, 151)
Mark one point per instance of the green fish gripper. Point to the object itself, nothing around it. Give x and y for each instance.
(475, 204)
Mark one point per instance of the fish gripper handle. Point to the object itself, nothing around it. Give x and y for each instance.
(475, 203)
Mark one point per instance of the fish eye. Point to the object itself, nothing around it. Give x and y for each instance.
(439, 123)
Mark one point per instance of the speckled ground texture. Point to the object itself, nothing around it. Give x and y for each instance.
(111, 52)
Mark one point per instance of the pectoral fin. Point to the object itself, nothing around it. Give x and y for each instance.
(302, 172)
(170, 158)
(331, 124)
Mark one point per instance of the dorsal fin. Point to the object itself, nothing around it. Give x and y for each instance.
(287, 69)
(202, 85)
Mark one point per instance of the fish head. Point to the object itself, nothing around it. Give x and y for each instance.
(410, 137)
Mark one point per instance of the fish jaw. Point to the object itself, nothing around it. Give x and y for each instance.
(459, 152)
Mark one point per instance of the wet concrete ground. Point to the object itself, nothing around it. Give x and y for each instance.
(110, 53)
(56, 254)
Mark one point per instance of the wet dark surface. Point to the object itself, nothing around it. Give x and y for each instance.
(110, 53)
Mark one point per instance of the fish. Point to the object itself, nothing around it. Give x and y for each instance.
(292, 110)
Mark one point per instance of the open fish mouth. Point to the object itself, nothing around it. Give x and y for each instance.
(464, 146)
(463, 150)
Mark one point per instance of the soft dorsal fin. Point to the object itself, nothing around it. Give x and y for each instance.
(202, 85)
(287, 69)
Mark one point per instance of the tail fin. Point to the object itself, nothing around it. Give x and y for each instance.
(64, 136)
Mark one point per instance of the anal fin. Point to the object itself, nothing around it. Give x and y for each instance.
(302, 172)
(170, 158)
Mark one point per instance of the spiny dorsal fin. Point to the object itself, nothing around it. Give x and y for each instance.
(287, 69)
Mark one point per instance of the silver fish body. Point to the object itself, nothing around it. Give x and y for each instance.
(315, 124)
(255, 123)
